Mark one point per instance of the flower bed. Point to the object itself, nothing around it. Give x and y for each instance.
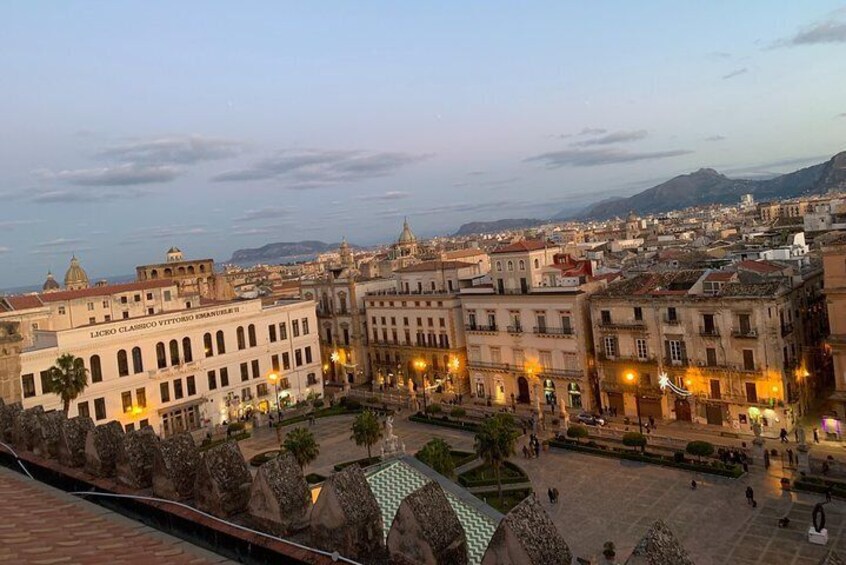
(483, 476)
(445, 422)
(714, 468)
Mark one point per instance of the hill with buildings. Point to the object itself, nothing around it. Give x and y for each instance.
(281, 252)
(707, 186)
(472, 228)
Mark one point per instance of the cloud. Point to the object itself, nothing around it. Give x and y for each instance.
(179, 150)
(843, 115)
(304, 169)
(598, 157)
(476, 173)
(60, 243)
(266, 213)
(62, 251)
(4, 250)
(8, 225)
(83, 195)
(736, 73)
(719, 55)
(266, 230)
(615, 137)
(386, 196)
(127, 174)
(715, 138)
(164, 232)
(583, 132)
(828, 31)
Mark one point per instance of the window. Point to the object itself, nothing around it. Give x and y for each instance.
(716, 394)
(141, 397)
(126, 400)
(28, 384)
(106, 318)
(90, 306)
(610, 346)
(130, 427)
(499, 266)
(122, 363)
(491, 321)
(239, 335)
(566, 325)
(46, 382)
(254, 364)
(521, 265)
(271, 333)
(92, 320)
(137, 361)
(672, 314)
(149, 296)
(95, 369)
(167, 295)
(161, 356)
(710, 357)
(751, 393)
(745, 324)
(510, 265)
(177, 389)
(311, 379)
(638, 313)
(251, 333)
(174, 352)
(346, 336)
(164, 392)
(105, 304)
(208, 351)
(137, 298)
(186, 349)
(605, 316)
(125, 315)
(676, 351)
(537, 264)
(221, 342)
(708, 326)
(191, 385)
(61, 310)
(283, 331)
(83, 410)
(308, 351)
(642, 349)
(143, 424)
(99, 408)
(212, 380)
(305, 326)
(295, 328)
(748, 360)
(224, 377)
(286, 361)
(274, 363)
(261, 389)
(245, 372)
(298, 357)
(246, 394)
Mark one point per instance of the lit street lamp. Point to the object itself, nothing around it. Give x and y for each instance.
(634, 379)
(274, 378)
(533, 369)
(420, 365)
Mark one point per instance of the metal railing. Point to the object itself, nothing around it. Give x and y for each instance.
(554, 331)
(514, 329)
(745, 333)
(622, 324)
(480, 328)
(709, 332)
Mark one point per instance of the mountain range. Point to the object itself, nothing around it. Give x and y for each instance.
(281, 252)
(472, 228)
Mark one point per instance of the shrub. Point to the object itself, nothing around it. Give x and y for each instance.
(264, 457)
(318, 403)
(458, 412)
(577, 432)
(700, 449)
(236, 427)
(352, 404)
(678, 457)
(434, 409)
(634, 439)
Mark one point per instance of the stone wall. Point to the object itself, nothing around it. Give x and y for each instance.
(10, 362)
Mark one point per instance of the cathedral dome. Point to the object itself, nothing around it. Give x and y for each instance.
(50, 284)
(76, 277)
(407, 236)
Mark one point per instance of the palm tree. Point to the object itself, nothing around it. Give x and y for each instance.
(366, 430)
(68, 378)
(301, 444)
(495, 442)
(436, 454)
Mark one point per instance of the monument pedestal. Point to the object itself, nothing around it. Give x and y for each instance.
(803, 459)
(817, 538)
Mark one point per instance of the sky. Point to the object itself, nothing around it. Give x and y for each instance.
(129, 127)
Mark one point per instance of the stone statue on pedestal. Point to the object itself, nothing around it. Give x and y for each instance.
(391, 445)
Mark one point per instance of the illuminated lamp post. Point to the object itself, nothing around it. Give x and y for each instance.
(533, 369)
(274, 378)
(420, 365)
(633, 379)
(453, 367)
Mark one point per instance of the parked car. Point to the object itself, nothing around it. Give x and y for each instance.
(591, 419)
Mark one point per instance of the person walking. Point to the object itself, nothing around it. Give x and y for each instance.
(790, 456)
(828, 493)
(555, 495)
(816, 435)
(550, 495)
(783, 435)
(750, 497)
(652, 422)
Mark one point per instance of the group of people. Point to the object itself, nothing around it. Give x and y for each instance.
(552, 493)
(533, 448)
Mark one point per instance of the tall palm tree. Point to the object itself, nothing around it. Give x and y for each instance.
(496, 441)
(68, 379)
(301, 444)
(366, 430)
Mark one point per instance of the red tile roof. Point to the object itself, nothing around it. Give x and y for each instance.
(764, 267)
(24, 301)
(434, 266)
(723, 276)
(523, 246)
(105, 290)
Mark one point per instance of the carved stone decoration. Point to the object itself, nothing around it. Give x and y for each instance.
(134, 463)
(527, 535)
(175, 461)
(101, 448)
(223, 481)
(346, 517)
(280, 500)
(48, 436)
(25, 426)
(72, 438)
(426, 530)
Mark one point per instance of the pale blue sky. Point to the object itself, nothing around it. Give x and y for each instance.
(128, 127)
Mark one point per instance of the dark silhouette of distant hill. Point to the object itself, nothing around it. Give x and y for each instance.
(472, 228)
(707, 186)
(281, 252)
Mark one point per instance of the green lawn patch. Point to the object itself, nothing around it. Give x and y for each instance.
(510, 499)
(820, 485)
(483, 476)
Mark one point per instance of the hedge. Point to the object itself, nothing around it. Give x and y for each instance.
(467, 482)
(444, 422)
(366, 462)
(715, 468)
(814, 484)
(208, 443)
(263, 457)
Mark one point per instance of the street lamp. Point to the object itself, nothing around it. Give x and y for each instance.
(533, 369)
(420, 365)
(274, 378)
(633, 379)
(453, 367)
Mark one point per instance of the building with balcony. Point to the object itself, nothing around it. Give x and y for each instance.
(728, 342)
(834, 264)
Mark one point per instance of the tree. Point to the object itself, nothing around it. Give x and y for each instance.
(436, 454)
(577, 432)
(366, 430)
(301, 444)
(634, 439)
(68, 379)
(495, 442)
(700, 449)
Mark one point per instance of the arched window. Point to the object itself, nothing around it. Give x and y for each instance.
(168, 272)
(202, 268)
(154, 274)
(537, 264)
(123, 363)
(174, 352)
(309, 296)
(499, 266)
(324, 301)
(187, 354)
(510, 265)
(207, 345)
(521, 265)
(161, 356)
(342, 302)
(137, 361)
(181, 271)
(221, 343)
(251, 333)
(190, 269)
(239, 336)
(432, 285)
(95, 369)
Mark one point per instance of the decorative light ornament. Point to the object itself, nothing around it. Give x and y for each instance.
(665, 383)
